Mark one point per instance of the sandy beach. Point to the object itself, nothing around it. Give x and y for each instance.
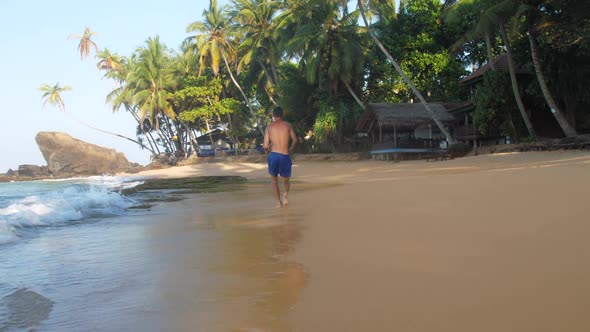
(487, 243)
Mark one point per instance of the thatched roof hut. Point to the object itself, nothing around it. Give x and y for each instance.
(401, 116)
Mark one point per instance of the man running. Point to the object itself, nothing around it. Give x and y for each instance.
(276, 139)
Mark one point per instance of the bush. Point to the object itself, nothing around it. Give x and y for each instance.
(459, 149)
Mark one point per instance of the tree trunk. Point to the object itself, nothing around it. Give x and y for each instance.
(209, 133)
(258, 124)
(108, 132)
(273, 68)
(269, 77)
(190, 136)
(515, 135)
(150, 138)
(568, 130)
(489, 50)
(355, 96)
(515, 88)
(442, 128)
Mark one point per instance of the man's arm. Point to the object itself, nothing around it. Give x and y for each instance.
(293, 138)
(266, 144)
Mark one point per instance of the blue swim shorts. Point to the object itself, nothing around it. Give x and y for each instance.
(279, 164)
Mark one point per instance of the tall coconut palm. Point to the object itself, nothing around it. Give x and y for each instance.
(327, 41)
(215, 43)
(361, 6)
(150, 82)
(85, 42)
(492, 15)
(255, 18)
(122, 95)
(52, 95)
(534, 22)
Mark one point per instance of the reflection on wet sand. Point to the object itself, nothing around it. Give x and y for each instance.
(226, 262)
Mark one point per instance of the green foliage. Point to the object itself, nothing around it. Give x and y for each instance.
(335, 119)
(459, 149)
(530, 139)
(200, 99)
(419, 41)
(325, 125)
(494, 103)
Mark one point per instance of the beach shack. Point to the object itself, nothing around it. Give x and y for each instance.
(217, 139)
(465, 128)
(404, 128)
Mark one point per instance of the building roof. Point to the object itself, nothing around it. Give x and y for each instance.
(403, 116)
(216, 135)
(501, 63)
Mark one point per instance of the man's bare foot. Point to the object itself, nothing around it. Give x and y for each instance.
(279, 204)
(285, 199)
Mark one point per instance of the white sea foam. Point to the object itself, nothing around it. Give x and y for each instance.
(6, 233)
(61, 203)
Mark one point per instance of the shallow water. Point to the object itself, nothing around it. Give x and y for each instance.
(211, 262)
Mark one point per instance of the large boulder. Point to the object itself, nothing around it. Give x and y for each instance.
(67, 156)
(32, 171)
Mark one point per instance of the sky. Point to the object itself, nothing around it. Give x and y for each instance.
(35, 51)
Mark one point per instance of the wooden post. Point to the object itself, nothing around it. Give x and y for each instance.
(395, 140)
(395, 134)
(380, 133)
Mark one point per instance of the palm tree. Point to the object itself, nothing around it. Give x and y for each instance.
(483, 26)
(215, 44)
(150, 82)
(328, 40)
(110, 63)
(255, 17)
(492, 15)
(85, 42)
(535, 22)
(444, 131)
(52, 95)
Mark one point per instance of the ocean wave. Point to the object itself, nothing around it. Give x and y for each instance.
(62, 204)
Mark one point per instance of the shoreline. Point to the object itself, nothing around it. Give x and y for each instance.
(484, 243)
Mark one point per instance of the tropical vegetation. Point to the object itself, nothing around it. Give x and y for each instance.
(323, 61)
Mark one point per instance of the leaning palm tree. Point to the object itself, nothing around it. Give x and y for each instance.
(492, 15)
(534, 23)
(444, 131)
(52, 95)
(215, 43)
(85, 42)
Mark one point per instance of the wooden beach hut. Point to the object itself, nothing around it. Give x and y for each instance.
(403, 128)
(400, 124)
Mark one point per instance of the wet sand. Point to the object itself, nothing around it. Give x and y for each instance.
(487, 243)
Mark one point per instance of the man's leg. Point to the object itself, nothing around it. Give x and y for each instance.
(275, 189)
(286, 186)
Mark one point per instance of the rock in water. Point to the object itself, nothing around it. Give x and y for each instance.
(68, 156)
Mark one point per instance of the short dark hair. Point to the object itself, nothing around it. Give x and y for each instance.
(278, 112)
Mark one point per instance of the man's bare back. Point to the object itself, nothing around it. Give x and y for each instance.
(276, 140)
(278, 133)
